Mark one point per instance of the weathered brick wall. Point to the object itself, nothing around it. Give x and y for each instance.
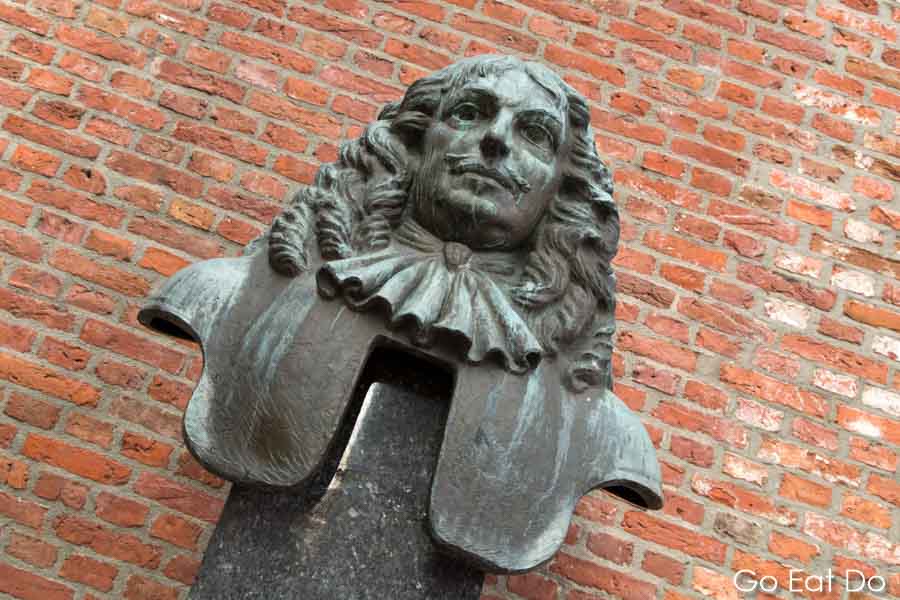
(756, 157)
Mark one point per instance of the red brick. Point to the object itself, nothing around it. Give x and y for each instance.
(662, 191)
(229, 16)
(791, 456)
(737, 497)
(109, 131)
(87, 179)
(668, 327)
(809, 214)
(182, 568)
(30, 48)
(736, 93)
(706, 396)
(21, 511)
(120, 511)
(679, 97)
(685, 250)
(565, 10)
(803, 490)
(85, 463)
(13, 473)
(683, 277)
(792, 548)
(77, 204)
(871, 453)
(32, 411)
(142, 588)
(772, 390)
(634, 261)
(841, 535)
(110, 245)
(177, 531)
(692, 420)
(174, 237)
(610, 548)
(189, 467)
(179, 497)
(168, 18)
(682, 508)
(277, 107)
(885, 488)
(650, 40)
(711, 156)
(31, 550)
(22, 372)
(673, 536)
(724, 319)
(659, 379)
(128, 344)
(663, 566)
(602, 578)
(692, 451)
(840, 359)
(53, 487)
(866, 511)
(91, 300)
(814, 434)
(855, 256)
(94, 573)
(198, 80)
(383, 67)
(872, 315)
(28, 586)
(347, 30)
(658, 350)
(701, 35)
(145, 450)
(799, 290)
(119, 546)
(111, 277)
(731, 294)
(868, 424)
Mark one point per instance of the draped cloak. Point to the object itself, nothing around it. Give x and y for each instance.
(281, 360)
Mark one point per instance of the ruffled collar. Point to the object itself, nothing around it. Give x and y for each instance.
(440, 292)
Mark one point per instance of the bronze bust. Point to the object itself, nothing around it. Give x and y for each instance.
(472, 224)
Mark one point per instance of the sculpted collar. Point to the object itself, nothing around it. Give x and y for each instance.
(435, 290)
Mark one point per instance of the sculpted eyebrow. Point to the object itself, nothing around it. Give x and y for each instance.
(473, 92)
(543, 117)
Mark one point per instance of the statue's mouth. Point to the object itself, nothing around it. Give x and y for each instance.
(511, 182)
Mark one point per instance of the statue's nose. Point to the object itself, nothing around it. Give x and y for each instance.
(495, 143)
(493, 146)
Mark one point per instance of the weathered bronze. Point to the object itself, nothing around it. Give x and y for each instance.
(473, 225)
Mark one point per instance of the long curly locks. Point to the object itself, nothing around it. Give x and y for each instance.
(566, 290)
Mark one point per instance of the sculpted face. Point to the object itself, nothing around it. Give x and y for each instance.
(492, 162)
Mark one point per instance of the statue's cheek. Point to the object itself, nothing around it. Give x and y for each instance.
(441, 135)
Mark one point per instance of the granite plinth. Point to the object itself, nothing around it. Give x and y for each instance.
(359, 531)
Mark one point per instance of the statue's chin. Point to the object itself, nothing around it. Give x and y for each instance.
(465, 217)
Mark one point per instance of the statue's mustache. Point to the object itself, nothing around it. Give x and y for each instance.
(464, 163)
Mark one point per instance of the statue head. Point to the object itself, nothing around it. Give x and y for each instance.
(491, 160)
(492, 152)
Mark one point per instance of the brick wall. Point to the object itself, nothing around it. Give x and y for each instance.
(756, 157)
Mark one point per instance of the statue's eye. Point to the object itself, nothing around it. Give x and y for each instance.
(538, 134)
(466, 112)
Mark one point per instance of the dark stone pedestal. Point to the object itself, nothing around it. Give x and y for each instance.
(360, 531)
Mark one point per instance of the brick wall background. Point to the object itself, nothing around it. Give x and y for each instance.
(756, 157)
